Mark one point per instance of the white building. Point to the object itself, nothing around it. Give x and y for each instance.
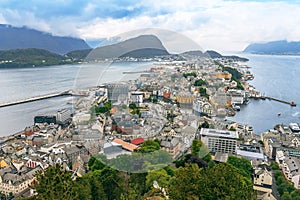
(137, 97)
(63, 115)
(239, 100)
(201, 107)
(81, 118)
(262, 184)
(291, 169)
(222, 141)
(117, 92)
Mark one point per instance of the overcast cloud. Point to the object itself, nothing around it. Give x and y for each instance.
(222, 25)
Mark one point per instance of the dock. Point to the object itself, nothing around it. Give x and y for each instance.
(291, 103)
(38, 98)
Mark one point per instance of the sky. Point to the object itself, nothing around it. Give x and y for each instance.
(223, 25)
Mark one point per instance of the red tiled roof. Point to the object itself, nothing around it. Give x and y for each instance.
(125, 145)
(137, 141)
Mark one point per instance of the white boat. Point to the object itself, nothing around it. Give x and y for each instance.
(294, 127)
(236, 107)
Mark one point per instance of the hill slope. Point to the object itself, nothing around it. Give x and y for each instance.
(23, 38)
(275, 47)
(29, 58)
(212, 54)
(135, 47)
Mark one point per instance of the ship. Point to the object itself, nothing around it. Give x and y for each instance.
(294, 127)
(236, 107)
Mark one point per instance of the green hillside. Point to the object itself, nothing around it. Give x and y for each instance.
(30, 57)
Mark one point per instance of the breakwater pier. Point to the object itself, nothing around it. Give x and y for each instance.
(291, 103)
(38, 98)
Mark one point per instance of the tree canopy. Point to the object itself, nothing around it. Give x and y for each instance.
(190, 181)
(223, 181)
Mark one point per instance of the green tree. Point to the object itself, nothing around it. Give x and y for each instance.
(90, 188)
(137, 183)
(161, 176)
(112, 182)
(96, 163)
(222, 181)
(242, 164)
(132, 106)
(274, 165)
(55, 183)
(196, 145)
(185, 75)
(186, 184)
(200, 82)
(149, 146)
(205, 124)
(236, 75)
(202, 92)
(295, 194)
(285, 187)
(286, 196)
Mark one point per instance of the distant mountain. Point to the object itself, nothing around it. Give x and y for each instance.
(23, 38)
(78, 54)
(146, 53)
(212, 54)
(275, 47)
(141, 46)
(194, 53)
(30, 58)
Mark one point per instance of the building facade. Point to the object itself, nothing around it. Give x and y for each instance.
(222, 141)
(63, 115)
(117, 92)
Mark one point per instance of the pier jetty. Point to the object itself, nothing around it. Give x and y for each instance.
(291, 103)
(38, 98)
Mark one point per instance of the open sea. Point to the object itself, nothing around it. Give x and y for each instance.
(276, 76)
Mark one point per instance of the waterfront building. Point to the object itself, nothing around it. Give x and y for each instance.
(117, 92)
(220, 99)
(222, 141)
(202, 107)
(44, 119)
(63, 116)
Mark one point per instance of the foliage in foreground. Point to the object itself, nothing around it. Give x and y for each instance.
(221, 181)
